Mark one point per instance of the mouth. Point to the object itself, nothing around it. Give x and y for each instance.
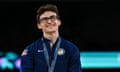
(50, 25)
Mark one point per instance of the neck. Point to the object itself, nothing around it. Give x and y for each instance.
(51, 36)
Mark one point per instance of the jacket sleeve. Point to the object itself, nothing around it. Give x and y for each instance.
(75, 63)
(27, 60)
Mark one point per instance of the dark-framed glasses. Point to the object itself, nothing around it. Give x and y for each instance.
(52, 18)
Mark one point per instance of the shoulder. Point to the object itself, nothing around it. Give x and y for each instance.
(34, 44)
(70, 45)
(31, 48)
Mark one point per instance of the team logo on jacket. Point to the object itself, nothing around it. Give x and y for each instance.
(61, 51)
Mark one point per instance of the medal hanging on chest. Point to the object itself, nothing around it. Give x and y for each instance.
(52, 66)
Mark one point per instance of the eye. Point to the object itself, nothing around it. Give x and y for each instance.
(53, 17)
(44, 19)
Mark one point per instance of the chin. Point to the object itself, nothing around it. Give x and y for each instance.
(50, 31)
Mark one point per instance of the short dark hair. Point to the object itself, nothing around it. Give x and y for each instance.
(46, 7)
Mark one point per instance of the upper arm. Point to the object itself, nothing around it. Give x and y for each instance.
(27, 59)
(74, 63)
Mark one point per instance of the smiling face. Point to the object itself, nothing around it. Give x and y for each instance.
(49, 22)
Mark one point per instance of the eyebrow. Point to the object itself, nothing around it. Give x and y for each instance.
(49, 16)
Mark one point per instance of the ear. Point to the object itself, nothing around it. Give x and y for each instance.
(39, 26)
(59, 22)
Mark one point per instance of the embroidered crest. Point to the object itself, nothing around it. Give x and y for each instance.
(24, 52)
(61, 51)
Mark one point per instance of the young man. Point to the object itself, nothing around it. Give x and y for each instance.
(50, 53)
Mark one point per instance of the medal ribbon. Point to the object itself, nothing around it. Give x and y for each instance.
(52, 66)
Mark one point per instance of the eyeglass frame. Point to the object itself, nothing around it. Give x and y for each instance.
(45, 19)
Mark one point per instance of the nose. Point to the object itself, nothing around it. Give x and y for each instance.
(49, 20)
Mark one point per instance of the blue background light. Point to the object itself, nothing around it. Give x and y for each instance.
(100, 59)
(89, 60)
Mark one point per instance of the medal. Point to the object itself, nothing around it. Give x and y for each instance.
(61, 51)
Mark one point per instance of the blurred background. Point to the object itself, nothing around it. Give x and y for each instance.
(90, 24)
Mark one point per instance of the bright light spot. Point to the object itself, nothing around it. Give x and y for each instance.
(11, 56)
(6, 64)
(17, 63)
(118, 58)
